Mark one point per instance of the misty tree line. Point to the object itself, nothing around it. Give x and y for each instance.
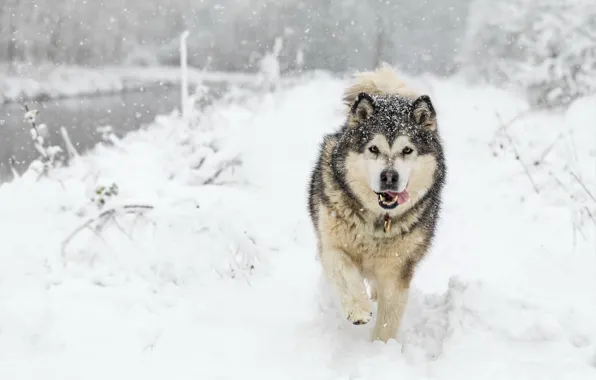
(232, 34)
(546, 47)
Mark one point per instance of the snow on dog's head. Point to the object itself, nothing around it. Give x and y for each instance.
(390, 152)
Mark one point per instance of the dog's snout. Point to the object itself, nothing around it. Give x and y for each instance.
(389, 179)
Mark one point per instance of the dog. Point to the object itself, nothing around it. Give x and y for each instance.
(374, 197)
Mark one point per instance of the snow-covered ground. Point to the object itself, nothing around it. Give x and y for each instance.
(220, 280)
(50, 81)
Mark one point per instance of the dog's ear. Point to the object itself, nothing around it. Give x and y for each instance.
(424, 113)
(362, 109)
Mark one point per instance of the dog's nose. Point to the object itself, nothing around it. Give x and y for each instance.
(389, 179)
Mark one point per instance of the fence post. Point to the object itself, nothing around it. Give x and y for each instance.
(184, 73)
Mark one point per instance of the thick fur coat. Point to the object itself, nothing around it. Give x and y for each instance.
(375, 196)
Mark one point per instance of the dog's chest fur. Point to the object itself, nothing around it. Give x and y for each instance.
(371, 247)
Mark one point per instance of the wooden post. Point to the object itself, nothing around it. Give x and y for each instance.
(184, 73)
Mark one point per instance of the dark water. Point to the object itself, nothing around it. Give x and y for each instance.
(125, 112)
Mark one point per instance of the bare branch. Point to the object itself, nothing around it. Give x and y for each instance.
(590, 215)
(72, 151)
(228, 164)
(503, 126)
(547, 150)
(583, 185)
(13, 169)
(127, 209)
(519, 158)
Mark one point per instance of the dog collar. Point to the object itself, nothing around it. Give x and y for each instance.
(387, 223)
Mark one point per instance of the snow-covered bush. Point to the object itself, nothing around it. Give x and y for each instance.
(545, 47)
(180, 171)
(108, 137)
(50, 156)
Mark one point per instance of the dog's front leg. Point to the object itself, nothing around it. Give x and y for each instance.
(345, 277)
(392, 293)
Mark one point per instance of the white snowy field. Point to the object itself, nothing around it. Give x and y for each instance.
(229, 289)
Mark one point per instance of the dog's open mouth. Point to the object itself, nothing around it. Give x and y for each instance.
(391, 199)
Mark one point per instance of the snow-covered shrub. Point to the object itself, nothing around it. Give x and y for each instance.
(545, 47)
(50, 156)
(169, 181)
(108, 137)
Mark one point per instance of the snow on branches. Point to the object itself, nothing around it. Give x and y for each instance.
(545, 47)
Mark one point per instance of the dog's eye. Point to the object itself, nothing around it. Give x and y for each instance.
(373, 149)
(407, 150)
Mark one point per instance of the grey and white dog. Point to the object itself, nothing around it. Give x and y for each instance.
(375, 195)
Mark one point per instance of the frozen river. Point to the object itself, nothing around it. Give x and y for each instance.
(82, 116)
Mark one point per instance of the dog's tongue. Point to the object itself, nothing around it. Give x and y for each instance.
(401, 197)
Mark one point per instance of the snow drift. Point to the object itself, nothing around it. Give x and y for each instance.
(220, 279)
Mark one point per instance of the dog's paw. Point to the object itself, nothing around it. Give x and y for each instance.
(359, 315)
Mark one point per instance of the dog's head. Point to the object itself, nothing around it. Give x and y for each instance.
(389, 151)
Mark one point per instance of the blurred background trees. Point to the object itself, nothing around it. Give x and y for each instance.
(547, 48)
(330, 34)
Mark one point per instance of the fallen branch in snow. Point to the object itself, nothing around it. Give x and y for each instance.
(102, 219)
(226, 165)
